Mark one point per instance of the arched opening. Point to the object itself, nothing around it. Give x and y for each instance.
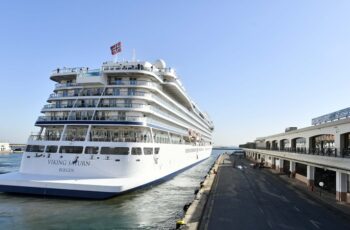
(268, 145)
(274, 145)
(322, 145)
(284, 145)
(345, 144)
(298, 145)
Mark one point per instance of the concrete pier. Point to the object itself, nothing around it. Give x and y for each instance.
(243, 197)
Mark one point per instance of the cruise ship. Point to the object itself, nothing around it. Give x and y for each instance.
(110, 130)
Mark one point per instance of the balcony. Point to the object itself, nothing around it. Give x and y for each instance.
(62, 71)
(37, 137)
(52, 106)
(135, 83)
(59, 95)
(66, 85)
(139, 94)
(123, 105)
(97, 118)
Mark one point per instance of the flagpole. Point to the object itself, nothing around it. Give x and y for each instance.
(133, 55)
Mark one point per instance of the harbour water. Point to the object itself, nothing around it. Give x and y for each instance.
(154, 207)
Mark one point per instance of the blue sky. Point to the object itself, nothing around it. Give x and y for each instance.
(255, 66)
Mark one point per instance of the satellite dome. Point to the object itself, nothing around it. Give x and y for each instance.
(160, 64)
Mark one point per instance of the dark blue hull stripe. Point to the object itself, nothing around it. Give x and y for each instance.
(82, 193)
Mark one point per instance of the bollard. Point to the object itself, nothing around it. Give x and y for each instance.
(179, 223)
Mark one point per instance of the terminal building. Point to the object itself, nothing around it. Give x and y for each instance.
(318, 155)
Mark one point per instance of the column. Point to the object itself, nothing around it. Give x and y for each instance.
(310, 176)
(337, 143)
(292, 166)
(341, 186)
(292, 169)
(280, 165)
(273, 162)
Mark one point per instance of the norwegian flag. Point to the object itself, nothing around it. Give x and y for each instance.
(116, 48)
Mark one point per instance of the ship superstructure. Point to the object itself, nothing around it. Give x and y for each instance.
(109, 130)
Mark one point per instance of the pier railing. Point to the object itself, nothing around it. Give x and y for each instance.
(331, 152)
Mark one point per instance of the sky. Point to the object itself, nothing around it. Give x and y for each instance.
(255, 66)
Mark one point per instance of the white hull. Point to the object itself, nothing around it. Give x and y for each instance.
(99, 176)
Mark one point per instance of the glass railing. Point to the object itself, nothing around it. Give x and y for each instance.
(146, 83)
(58, 95)
(123, 105)
(74, 70)
(117, 105)
(37, 137)
(52, 106)
(141, 94)
(121, 139)
(97, 118)
(138, 67)
(69, 137)
(64, 85)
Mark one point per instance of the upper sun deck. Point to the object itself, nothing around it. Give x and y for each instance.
(158, 70)
(165, 77)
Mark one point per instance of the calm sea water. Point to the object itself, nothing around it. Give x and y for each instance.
(154, 207)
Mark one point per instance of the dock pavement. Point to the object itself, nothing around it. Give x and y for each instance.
(243, 197)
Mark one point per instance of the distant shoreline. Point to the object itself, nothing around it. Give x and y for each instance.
(225, 148)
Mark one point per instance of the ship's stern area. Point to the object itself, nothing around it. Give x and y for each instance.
(83, 176)
(98, 176)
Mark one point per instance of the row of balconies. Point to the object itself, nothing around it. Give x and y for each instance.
(116, 82)
(119, 105)
(141, 94)
(91, 118)
(111, 105)
(106, 93)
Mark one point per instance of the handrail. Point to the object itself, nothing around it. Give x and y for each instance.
(59, 71)
(105, 118)
(137, 82)
(63, 85)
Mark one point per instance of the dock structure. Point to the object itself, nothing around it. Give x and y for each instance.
(318, 155)
(243, 196)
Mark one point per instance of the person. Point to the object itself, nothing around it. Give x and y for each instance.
(58, 70)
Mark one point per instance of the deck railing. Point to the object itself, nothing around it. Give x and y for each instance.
(89, 118)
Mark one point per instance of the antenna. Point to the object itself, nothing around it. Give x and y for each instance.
(133, 54)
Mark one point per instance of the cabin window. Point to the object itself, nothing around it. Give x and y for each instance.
(51, 149)
(91, 150)
(35, 148)
(115, 151)
(116, 91)
(131, 92)
(156, 150)
(71, 149)
(118, 81)
(132, 81)
(136, 151)
(148, 151)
